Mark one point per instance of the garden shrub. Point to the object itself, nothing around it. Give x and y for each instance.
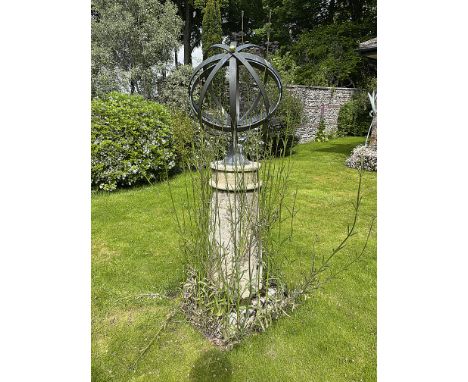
(285, 65)
(281, 132)
(290, 113)
(321, 135)
(279, 135)
(363, 154)
(131, 141)
(174, 95)
(354, 118)
(186, 134)
(174, 89)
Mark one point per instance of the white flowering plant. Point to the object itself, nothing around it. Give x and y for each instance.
(365, 156)
(131, 141)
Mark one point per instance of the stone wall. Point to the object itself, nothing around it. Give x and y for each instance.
(320, 102)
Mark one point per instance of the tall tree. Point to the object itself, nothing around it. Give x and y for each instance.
(321, 38)
(190, 37)
(188, 31)
(211, 26)
(327, 55)
(132, 43)
(291, 18)
(254, 16)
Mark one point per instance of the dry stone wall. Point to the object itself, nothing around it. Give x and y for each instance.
(320, 103)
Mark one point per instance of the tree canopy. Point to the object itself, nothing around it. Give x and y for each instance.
(311, 42)
(328, 56)
(212, 30)
(132, 43)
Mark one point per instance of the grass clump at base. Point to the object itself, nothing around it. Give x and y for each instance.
(137, 272)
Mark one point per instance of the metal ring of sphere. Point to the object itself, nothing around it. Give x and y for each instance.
(208, 69)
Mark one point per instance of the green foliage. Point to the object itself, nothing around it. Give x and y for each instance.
(291, 18)
(174, 95)
(286, 67)
(254, 15)
(131, 141)
(174, 89)
(185, 135)
(328, 56)
(132, 42)
(137, 271)
(354, 118)
(321, 135)
(287, 119)
(211, 26)
(322, 38)
(279, 135)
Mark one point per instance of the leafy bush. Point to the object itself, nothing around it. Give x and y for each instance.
(285, 65)
(321, 135)
(174, 89)
(363, 154)
(279, 135)
(131, 44)
(284, 123)
(131, 141)
(354, 118)
(186, 135)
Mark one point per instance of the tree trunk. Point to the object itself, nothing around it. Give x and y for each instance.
(176, 58)
(331, 11)
(356, 10)
(187, 33)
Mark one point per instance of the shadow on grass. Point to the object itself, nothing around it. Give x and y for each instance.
(339, 148)
(213, 365)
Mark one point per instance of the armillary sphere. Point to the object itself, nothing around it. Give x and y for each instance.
(245, 109)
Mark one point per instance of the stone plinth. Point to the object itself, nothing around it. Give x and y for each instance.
(234, 227)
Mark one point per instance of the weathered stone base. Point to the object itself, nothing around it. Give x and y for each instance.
(234, 228)
(254, 315)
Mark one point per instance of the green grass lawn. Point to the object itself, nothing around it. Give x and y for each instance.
(137, 273)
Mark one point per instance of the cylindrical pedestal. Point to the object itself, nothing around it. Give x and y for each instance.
(235, 235)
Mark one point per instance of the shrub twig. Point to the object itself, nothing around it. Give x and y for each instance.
(143, 351)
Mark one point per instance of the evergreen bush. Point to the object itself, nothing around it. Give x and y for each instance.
(284, 124)
(211, 26)
(354, 118)
(278, 136)
(131, 141)
(174, 89)
(321, 135)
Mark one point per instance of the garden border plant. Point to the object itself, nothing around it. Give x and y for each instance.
(131, 141)
(232, 224)
(223, 317)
